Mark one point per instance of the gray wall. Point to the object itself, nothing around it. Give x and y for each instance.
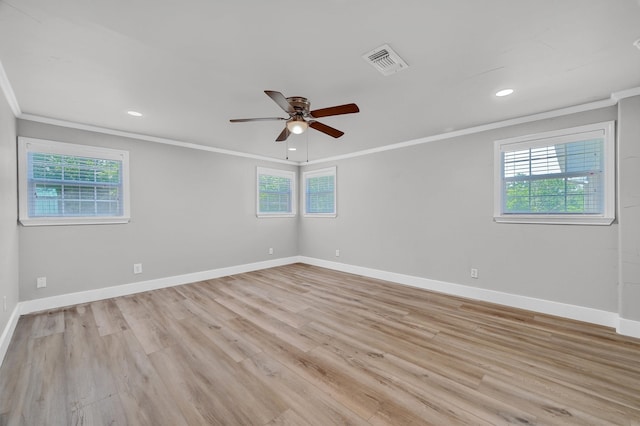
(8, 214)
(191, 211)
(427, 211)
(629, 207)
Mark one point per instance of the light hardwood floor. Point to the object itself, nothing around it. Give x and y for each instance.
(301, 345)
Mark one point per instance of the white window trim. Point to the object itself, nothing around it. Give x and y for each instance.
(26, 145)
(315, 173)
(606, 129)
(282, 173)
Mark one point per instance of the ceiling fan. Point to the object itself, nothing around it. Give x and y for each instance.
(300, 117)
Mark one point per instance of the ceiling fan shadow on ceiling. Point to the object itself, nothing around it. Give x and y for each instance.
(300, 117)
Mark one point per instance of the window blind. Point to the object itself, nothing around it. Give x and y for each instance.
(71, 184)
(320, 192)
(276, 192)
(66, 185)
(563, 178)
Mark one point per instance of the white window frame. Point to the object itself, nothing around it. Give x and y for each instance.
(605, 130)
(291, 175)
(329, 171)
(27, 145)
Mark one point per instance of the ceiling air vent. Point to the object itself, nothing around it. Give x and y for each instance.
(385, 60)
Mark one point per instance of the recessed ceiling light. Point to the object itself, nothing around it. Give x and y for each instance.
(504, 92)
(292, 149)
(135, 113)
(637, 43)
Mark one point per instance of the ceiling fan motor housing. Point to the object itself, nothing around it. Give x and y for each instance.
(300, 104)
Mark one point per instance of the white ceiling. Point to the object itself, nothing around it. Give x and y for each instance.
(191, 65)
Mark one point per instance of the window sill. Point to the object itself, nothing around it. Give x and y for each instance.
(263, 215)
(555, 219)
(50, 221)
(320, 215)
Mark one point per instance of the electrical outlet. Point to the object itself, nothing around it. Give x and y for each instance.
(270, 250)
(337, 252)
(474, 273)
(137, 268)
(41, 282)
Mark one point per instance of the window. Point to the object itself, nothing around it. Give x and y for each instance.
(564, 176)
(320, 192)
(65, 184)
(276, 193)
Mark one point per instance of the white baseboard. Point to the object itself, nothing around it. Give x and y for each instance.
(7, 333)
(579, 313)
(595, 316)
(54, 302)
(628, 327)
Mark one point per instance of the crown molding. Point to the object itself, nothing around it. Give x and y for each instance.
(611, 101)
(614, 98)
(478, 129)
(9, 94)
(622, 94)
(140, 136)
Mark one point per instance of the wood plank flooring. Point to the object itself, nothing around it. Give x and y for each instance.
(301, 345)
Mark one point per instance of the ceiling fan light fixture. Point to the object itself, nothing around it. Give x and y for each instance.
(297, 126)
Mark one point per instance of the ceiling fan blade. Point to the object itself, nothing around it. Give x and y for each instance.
(244, 120)
(283, 136)
(280, 100)
(336, 110)
(326, 129)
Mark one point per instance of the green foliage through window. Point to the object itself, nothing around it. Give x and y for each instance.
(276, 192)
(557, 179)
(320, 192)
(67, 185)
